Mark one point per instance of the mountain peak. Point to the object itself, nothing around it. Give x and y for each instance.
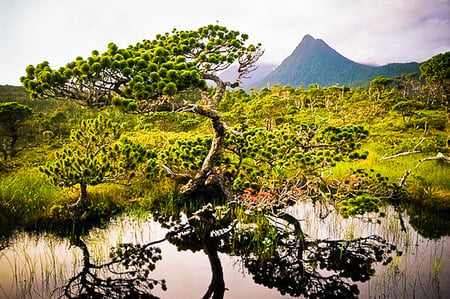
(307, 38)
(312, 45)
(314, 61)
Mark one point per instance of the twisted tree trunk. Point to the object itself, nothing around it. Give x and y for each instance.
(206, 175)
(211, 159)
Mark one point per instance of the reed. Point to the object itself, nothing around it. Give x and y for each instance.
(437, 265)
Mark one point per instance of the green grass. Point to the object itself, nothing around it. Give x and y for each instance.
(24, 196)
(428, 183)
(432, 172)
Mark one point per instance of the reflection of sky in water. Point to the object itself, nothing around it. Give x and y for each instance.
(38, 264)
(408, 274)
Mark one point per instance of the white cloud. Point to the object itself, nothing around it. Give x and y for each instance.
(375, 31)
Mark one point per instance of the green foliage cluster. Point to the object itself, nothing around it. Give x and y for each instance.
(186, 155)
(12, 114)
(258, 158)
(169, 64)
(267, 159)
(436, 71)
(379, 84)
(347, 136)
(359, 205)
(363, 191)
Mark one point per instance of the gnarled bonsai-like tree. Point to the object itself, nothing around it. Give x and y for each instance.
(154, 75)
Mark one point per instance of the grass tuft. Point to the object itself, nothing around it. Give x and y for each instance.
(24, 197)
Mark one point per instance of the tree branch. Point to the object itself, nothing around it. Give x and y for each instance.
(173, 173)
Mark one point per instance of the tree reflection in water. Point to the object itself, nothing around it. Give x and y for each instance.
(287, 261)
(320, 269)
(127, 274)
(276, 253)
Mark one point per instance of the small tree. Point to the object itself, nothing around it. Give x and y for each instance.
(379, 85)
(12, 128)
(56, 122)
(94, 156)
(436, 72)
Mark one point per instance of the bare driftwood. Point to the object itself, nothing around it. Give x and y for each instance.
(439, 156)
(402, 180)
(414, 151)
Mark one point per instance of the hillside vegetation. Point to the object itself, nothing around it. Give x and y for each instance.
(419, 129)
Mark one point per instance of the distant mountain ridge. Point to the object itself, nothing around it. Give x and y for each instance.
(314, 62)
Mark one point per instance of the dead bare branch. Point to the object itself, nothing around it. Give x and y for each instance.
(439, 156)
(173, 173)
(413, 151)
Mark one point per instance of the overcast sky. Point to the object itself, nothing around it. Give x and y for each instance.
(366, 31)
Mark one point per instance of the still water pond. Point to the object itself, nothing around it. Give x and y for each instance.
(42, 265)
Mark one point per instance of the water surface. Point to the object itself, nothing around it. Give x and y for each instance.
(40, 265)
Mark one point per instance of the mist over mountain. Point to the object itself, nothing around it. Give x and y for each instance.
(250, 80)
(314, 62)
